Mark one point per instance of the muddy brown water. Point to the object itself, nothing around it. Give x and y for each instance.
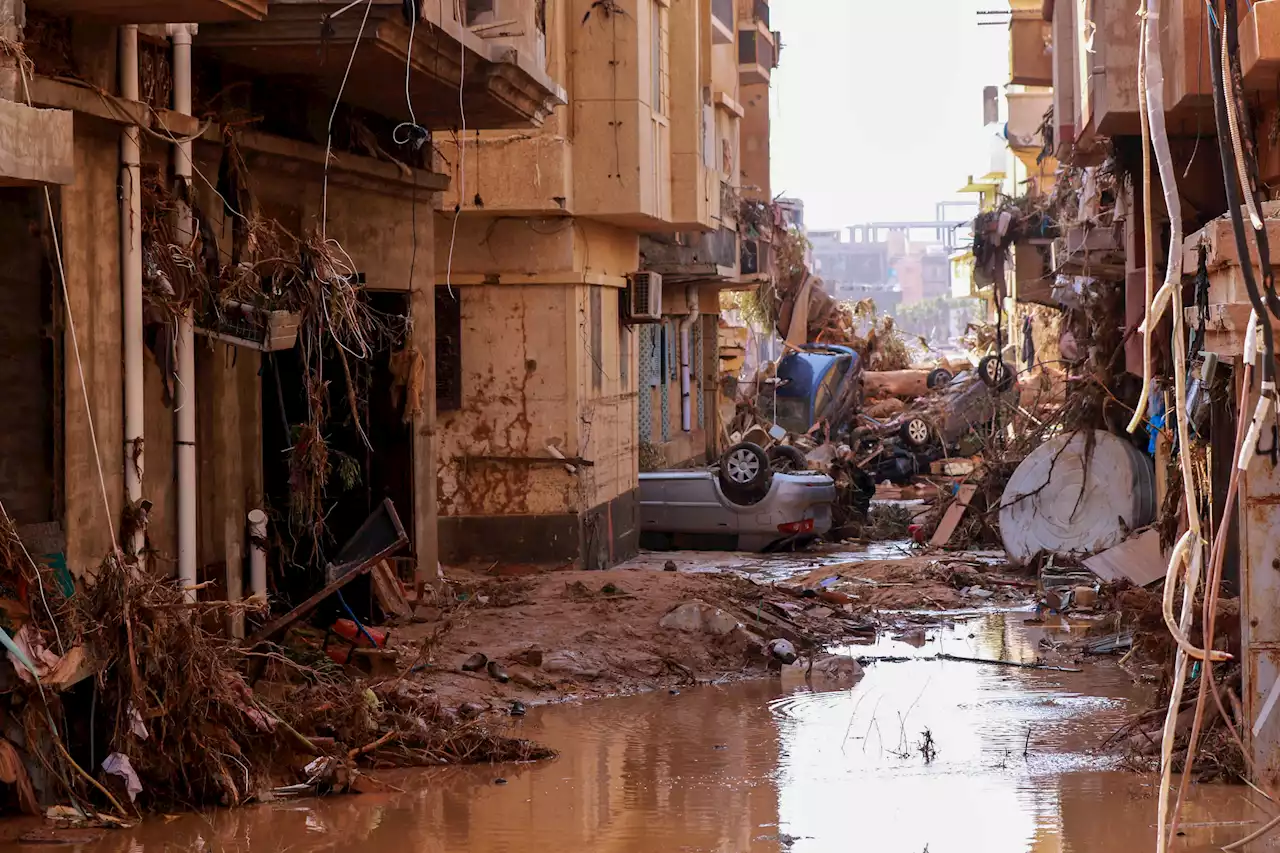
(771, 766)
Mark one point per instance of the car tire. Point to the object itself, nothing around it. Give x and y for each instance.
(938, 378)
(744, 470)
(784, 459)
(995, 373)
(916, 432)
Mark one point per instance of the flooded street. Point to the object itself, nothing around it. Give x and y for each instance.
(771, 765)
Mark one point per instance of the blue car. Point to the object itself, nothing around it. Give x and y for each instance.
(821, 381)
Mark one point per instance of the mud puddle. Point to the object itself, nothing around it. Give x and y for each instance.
(1006, 765)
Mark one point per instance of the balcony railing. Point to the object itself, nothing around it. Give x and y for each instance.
(722, 21)
(722, 11)
(757, 56)
(760, 11)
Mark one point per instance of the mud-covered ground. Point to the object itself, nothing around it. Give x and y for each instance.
(562, 635)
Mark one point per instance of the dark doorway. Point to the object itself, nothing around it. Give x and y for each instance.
(362, 473)
(29, 357)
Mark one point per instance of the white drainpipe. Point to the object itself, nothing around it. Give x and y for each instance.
(686, 359)
(258, 555)
(131, 280)
(185, 387)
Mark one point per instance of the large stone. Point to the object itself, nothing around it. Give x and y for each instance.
(699, 617)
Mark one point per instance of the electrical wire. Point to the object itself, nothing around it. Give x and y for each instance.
(461, 139)
(333, 114)
(1217, 71)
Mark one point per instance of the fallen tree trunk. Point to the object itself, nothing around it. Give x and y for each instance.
(895, 383)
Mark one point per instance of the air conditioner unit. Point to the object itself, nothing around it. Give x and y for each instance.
(644, 297)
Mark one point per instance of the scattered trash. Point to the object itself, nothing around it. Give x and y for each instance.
(117, 764)
(781, 651)
(497, 672)
(475, 663)
(518, 708)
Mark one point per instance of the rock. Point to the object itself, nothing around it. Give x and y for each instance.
(497, 672)
(840, 668)
(517, 708)
(572, 664)
(669, 566)
(699, 617)
(531, 656)
(524, 679)
(471, 710)
(781, 650)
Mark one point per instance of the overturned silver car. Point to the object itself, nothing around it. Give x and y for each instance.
(739, 504)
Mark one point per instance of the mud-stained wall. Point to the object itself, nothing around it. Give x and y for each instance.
(91, 254)
(534, 250)
(516, 351)
(607, 415)
(377, 230)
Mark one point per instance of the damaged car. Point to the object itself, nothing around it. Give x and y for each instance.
(903, 447)
(741, 503)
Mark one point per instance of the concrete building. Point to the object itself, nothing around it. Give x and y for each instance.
(166, 448)
(639, 172)
(891, 262)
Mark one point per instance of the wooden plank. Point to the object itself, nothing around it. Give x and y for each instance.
(951, 519)
(279, 626)
(387, 589)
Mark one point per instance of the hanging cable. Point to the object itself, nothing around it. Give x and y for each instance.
(1266, 400)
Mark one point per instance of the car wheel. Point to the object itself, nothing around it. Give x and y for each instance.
(744, 469)
(784, 459)
(916, 432)
(995, 373)
(938, 378)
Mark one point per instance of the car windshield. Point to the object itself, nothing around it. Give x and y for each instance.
(793, 414)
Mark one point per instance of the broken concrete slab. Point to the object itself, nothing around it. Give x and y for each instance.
(1138, 560)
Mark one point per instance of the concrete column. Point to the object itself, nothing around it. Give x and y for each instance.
(426, 511)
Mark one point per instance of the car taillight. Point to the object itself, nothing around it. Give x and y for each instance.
(805, 526)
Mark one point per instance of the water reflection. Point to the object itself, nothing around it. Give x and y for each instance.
(773, 766)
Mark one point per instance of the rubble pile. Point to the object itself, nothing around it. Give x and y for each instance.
(119, 702)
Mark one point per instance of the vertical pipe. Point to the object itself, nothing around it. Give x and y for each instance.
(686, 360)
(258, 555)
(185, 387)
(131, 281)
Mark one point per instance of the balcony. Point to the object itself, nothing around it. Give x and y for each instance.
(1260, 46)
(1026, 115)
(502, 86)
(757, 54)
(722, 21)
(692, 256)
(756, 11)
(1031, 49)
(156, 11)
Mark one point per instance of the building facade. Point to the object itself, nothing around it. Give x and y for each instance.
(540, 240)
(206, 200)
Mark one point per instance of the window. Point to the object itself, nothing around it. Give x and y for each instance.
(479, 11)
(661, 60)
(448, 349)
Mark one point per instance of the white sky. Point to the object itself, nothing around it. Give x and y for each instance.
(877, 104)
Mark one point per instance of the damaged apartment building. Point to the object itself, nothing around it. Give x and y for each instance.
(1138, 206)
(220, 270)
(578, 269)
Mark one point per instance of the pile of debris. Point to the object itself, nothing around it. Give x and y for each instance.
(118, 702)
